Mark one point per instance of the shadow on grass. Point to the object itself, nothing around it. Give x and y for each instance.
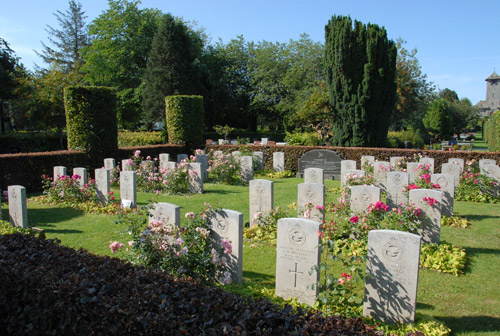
(462, 324)
(261, 279)
(424, 306)
(46, 217)
(480, 217)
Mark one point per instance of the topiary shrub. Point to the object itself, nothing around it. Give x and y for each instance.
(184, 119)
(91, 120)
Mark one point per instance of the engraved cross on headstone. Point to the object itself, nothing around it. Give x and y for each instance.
(295, 272)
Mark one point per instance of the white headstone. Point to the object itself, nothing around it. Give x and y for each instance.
(203, 159)
(148, 166)
(102, 185)
(109, 163)
(128, 191)
(228, 224)
(261, 197)
(246, 163)
(345, 166)
(127, 165)
(297, 259)
(167, 213)
(164, 157)
(258, 156)
(59, 171)
(393, 259)
(492, 171)
(380, 169)
(396, 186)
(413, 171)
(82, 172)
(428, 161)
(430, 216)
(367, 159)
(453, 170)
(196, 178)
(314, 175)
(459, 162)
(362, 196)
(278, 161)
(350, 174)
(394, 160)
(310, 197)
(18, 211)
(447, 187)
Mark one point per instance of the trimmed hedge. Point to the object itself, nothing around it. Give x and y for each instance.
(294, 153)
(91, 119)
(26, 169)
(492, 130)
(184, 119)
(29, 142)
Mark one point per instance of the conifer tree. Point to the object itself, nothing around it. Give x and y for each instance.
(68, 41)
(360, 66)
(172, 68)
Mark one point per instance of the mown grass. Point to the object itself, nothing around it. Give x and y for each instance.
(468, 304)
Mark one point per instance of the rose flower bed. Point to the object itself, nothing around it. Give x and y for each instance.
(48, 289)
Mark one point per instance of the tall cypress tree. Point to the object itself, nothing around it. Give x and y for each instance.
(360, 66)
(172, 68)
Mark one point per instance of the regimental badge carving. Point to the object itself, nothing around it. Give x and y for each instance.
(260, 189)
(392, 251)
(397, 179)
(442, 181)
(222, 225)
(310, 194)
(297, 236)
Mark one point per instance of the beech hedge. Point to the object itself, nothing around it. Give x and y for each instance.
(184, 119)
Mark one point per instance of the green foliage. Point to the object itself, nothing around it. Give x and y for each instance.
(492, 132)
(171, 69)
(122, 37)
(223, 130)
(463, 115)
(184, 119)
(437, 119)
(477, 187)
(298, 138)
(270, 173)
(131, 139)
(66, 191)
(224, 168)
(398, 139)
(7, 228)
(414, 92)
(91, 120)
(8, 63)
(264, 225)
(455, 221)
(69, 40)
(190, 251)
(443, 258)
(360, 65)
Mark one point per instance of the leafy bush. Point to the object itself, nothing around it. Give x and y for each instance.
(184, 119)
(477, 187)
(130, 139)
(190, 251)
(398, 139)
(224, 168)
(443, 258)
(91, 119)
(303, 139)
(49, 286)
(265, 226)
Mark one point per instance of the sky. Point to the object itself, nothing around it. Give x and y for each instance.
(458, 41)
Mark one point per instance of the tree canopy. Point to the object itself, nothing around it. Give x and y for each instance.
(360, 66)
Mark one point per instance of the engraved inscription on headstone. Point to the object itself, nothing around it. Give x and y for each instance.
(310, 197)
(228, 224)
(18, 211)
(396, 186)
(314, 175)
(429, 201)
(261, 197)
(128, 191)
(327, 160)
(392, 276)
(102, 185)
(298, 254)
(447, 187)
(82, 172)
(362, 196)
(109, 163)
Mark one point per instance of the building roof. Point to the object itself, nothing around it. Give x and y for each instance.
(493, 76)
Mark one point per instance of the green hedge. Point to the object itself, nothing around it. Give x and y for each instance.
(294, 153)
(26, 169)
(492, 130)
(30, 142)
(184, 119)
(91, 119)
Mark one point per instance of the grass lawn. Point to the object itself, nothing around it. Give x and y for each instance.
(479, 144)
(468, 304)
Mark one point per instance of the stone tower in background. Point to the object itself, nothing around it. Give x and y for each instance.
(492, 102)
